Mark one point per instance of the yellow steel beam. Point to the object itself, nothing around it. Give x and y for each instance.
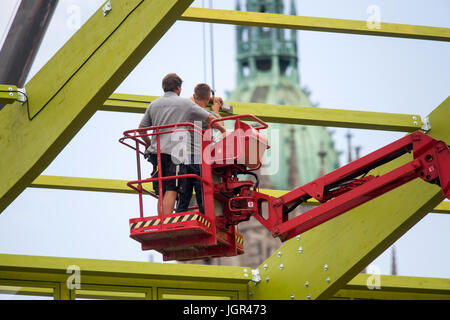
(439, 120)
(133, 103)
(120, 186)
(103, 279)
(83, 184)
(365, 286)
(122, 279)
(443, 207)
(8, 94)
(95, 294)
(289, 114)
(177, 294)
(322, 260)
(66, 92)
(28, 288)
(315, 24)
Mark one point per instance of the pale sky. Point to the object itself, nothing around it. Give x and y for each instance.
(342, 71)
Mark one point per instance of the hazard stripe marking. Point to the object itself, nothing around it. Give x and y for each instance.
(169, 220)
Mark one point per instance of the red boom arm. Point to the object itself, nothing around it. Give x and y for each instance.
(342, 190)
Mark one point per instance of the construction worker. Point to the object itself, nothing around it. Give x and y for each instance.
(171, 109)
(202, 97)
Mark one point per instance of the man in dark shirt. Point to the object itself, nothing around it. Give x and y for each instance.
(202, 96)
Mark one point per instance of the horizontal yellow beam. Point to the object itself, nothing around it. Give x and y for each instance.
(367, 286)
(81, 184)
(114, 268)
(132, 103)
(27, 288)
(120, 186)
(289, 114)
(118, 279)
(113, 295)
(27, 291)
(8, 94)
(104, 279)
(271, 20)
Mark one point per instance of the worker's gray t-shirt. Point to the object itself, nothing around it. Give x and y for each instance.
(205, 124)
(172, 109)
(196, 143)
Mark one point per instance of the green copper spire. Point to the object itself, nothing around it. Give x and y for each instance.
(293, 9)
(267, 60)
(267, 50)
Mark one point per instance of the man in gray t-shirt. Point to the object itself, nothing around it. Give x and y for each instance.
(171, 109)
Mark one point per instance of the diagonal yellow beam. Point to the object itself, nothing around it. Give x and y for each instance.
(443, 207)
(271, 20)
(321, 261)
(289, 114)
(66, 92)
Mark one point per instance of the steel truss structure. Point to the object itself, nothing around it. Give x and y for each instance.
(321, 263)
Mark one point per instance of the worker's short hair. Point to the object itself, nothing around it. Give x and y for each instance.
(202, 91)
(171, 82)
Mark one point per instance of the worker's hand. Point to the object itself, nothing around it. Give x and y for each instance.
(225, 134)
(218, 102)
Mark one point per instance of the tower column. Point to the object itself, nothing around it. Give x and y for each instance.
(252, 66)
(294, 70)
(275, 57)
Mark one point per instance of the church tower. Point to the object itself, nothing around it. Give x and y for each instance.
(268, 73)
(265, 50)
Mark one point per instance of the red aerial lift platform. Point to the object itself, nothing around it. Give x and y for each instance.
(229, 200)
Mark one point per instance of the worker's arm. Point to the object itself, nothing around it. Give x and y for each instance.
(216, 125)
(217, 103)
(145, 138)
(145, 123)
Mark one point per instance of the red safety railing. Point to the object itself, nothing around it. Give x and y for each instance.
(137, 135)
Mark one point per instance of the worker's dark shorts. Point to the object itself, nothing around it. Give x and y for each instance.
(168, 169)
